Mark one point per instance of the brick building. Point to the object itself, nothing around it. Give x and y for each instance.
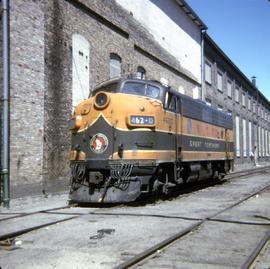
(60, 49)
(227, 88)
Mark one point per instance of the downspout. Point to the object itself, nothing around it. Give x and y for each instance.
(203, 31)
(5, 103)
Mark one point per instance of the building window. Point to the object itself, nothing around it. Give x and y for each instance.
(164, 81)
(195, 92)
(115, 65)
(208, 73)
(244, 127)
(219, 82)
(237, 136)
(181, 89)
(254, 107)
(243, 99)
(263, 148)
(259, 142)
(229, 89)
(249, 104)
(80, 69)
(141, 73)
(208, 102)
(266, 143)
(250, 138)
(237, 94)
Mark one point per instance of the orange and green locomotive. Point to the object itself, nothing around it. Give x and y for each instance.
(134, 137)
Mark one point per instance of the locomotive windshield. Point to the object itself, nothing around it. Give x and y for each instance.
(143, 89)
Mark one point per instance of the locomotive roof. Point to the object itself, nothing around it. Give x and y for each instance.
(192, 108)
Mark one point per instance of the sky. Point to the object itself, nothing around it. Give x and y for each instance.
(241, 28)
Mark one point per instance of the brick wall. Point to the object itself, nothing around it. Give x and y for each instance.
(41, 76)
(109, 29)
(26, 91)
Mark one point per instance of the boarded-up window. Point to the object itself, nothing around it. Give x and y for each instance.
(237, 94)
(263, 148)
(219, 81)
(229, 88)
(243, 99)
(181, 89)
(195, 92)
(250, 138)
(208, 75)
(259, 142)
(80, 69)
(244, 127)
(115, 65)
(249, 104)
(266, 142)
(237, 136)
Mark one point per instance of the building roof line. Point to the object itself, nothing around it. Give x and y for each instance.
(247, 80)
(191, 14)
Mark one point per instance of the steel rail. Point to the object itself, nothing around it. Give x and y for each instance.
(20, 215)
(33, 228)
(255, 253)
(148, 252)
(137, 257)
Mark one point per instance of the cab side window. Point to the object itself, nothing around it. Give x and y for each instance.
(172, 103)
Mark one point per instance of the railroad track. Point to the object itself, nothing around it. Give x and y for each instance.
(157, 248)
(139, 257)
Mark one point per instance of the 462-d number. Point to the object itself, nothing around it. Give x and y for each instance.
(142, 120)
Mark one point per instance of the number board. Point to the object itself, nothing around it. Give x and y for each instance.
(142, 120)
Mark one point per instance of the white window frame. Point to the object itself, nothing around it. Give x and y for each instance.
(244, 128)
(80, 69)
(266, 143)
(195, 93)
(259, 142)
(208, 72)
(250, 138)
(229, 88)
(219, 81)
(243, 99)
(249, 103)
(237, 94)
(263, 146)
(237, 136)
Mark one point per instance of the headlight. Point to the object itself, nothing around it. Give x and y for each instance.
(75, 123)
(102, 99)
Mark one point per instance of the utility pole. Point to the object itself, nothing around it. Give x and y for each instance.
(5, 104)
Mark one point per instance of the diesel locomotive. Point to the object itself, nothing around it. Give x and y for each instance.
(134, 137)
